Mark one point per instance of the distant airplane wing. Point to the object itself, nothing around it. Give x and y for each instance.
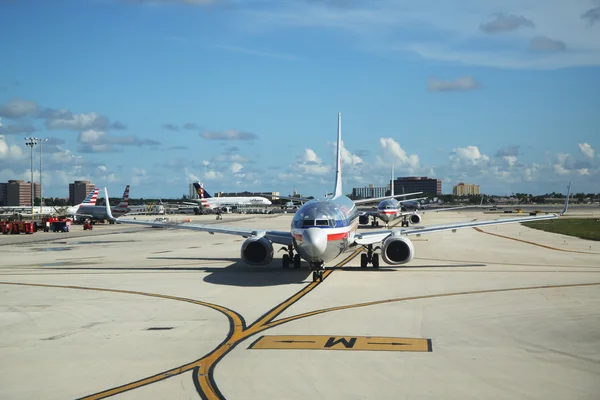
(376, 199)
(373, 237)
(279, 237)
(369, 213)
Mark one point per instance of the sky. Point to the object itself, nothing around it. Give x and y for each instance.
(244, 94)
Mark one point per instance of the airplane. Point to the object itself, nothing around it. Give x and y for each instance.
(210, 203)
(90, 200)
(322, 229)
(99, 212)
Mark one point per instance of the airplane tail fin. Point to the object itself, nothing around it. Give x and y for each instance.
(125, 201)
(202, 194)
(91, 198)
(107, 205)
(338, 172)
(392, 188)
(564, 211)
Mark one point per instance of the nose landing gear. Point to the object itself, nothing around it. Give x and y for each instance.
(318, 270)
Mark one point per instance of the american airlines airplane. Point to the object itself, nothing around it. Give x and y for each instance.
(90, 200)
(99, 212)
(208, 202)
(391, 209)
(324, 228)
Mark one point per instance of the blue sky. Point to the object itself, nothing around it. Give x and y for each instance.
(244, 95)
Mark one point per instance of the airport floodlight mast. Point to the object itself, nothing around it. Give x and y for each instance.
(31, 142)
(41, 140)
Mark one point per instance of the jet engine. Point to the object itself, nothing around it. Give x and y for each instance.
(363, 219)
(257, 251)
(397, 250)
(415, 218)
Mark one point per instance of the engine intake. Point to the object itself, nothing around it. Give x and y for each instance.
(415, 218)
(257, 251)
(397, 250)
(363, 219)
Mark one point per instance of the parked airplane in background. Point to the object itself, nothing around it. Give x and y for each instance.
(324, 228)
(210, 203)
(90, 200)
(93, 211)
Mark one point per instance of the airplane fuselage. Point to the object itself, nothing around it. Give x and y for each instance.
(323, 229)
(388, 210)
(213, 202)
(411, 205)
(99, 212)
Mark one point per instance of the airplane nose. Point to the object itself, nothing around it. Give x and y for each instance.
(315, 240)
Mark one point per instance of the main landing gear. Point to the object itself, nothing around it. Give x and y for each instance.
(404, 222)
(318, 271)
(369, 258)
(290, 258)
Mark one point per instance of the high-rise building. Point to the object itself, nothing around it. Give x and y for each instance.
(192, 192)
(410, 184)
(79, 190)
(18, 193)
(465, 189)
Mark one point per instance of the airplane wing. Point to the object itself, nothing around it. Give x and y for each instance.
(279, 237)
(425, 209)
(373, 237)
(376, 199)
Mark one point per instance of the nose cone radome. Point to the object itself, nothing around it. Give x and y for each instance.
(315, 241)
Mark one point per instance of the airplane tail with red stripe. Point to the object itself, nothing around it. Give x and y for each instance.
(125, 200)
(91, 198)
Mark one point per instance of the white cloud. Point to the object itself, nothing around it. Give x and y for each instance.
(10, 153)
(236, 167)
(468, 156)
(510, 160)
(394, 153)
(191, 177)
(212, 175)
(587, 150)
(65, 120)
(309, 156)
(531, 172)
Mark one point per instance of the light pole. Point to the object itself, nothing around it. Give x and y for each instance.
(31, 142)
(42, 140)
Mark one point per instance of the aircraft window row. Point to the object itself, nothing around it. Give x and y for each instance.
(318, 222)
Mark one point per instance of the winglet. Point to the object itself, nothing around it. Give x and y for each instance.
(108, 211)
(338, 173)
(564, 211)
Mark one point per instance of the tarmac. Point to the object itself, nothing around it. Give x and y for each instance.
(133, 312)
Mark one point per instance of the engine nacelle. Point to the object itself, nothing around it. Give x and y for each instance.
(415, 218)
(397, 250)
(363, 219)
(257, 251)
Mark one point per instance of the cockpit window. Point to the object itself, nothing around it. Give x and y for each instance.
(317, 214)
